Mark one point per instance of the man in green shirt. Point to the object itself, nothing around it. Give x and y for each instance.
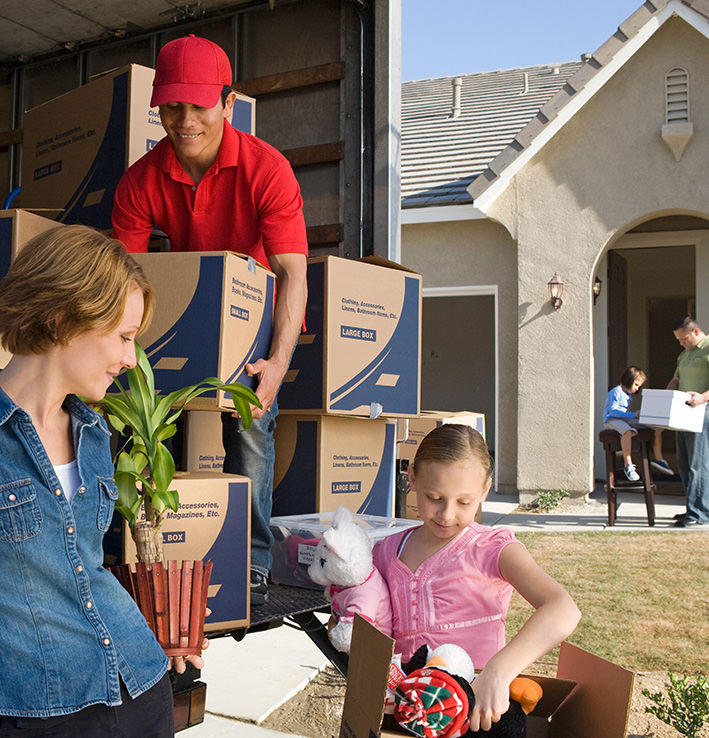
(692, 375)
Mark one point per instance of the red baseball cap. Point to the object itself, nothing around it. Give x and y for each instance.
(191, 70)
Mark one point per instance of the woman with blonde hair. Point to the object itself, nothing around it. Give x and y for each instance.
(76, 655)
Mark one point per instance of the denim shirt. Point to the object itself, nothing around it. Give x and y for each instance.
(69, 629)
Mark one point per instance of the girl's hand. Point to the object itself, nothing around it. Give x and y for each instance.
(492, 700)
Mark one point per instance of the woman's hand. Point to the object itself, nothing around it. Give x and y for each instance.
(179, 663)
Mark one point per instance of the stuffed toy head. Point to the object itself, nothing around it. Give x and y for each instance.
(343, 556)
(343, 564)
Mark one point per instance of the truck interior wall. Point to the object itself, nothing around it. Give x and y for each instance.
(317, 122)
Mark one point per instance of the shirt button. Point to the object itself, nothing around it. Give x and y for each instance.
(194, 189)
(80, 568)
(70, 530)
(81, 490)
(57, 492)
(89, 605)
(106, 641)
(12, 498)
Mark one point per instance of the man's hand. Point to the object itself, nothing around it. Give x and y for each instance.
(291, 295)
(696, 398)
(270, 374)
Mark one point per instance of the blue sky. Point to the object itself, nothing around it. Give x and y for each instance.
(441, 38)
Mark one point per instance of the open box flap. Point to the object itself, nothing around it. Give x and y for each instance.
(600, 704)
(382, 262)
(367, 674)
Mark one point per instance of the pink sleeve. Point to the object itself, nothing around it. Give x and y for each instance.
(488, 548)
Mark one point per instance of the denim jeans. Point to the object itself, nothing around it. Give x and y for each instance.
(693, 463)
(252, 454)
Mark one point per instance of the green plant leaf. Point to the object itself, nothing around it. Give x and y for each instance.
(163, 468)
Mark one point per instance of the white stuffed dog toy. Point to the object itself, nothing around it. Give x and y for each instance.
(343, 564)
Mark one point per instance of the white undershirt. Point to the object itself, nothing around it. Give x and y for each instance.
(68, 475)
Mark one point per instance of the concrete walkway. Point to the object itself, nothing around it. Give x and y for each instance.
(248, 680)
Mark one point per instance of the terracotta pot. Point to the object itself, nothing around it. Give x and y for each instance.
(172, 600)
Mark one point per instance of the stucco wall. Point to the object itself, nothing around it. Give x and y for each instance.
(473, 253)
(605, 170)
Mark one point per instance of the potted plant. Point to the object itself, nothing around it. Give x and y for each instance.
(144, 473)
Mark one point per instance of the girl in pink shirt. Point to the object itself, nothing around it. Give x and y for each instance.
(451, 579)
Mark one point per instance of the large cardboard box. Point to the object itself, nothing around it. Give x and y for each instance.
(213, 315)
(326, 461)
(203, 448)
(214, 524)
(296, 536)
(361, 354)
(669, 409)
(77, 146)
(16, 228)
(589, 698)
(411, 431)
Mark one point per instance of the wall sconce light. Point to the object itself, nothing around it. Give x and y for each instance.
(556, 290)
(597, 284)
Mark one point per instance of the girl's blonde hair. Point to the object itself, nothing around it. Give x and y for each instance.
(64, 282)
(454, 443)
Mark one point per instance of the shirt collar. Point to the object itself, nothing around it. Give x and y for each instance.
(76, 408)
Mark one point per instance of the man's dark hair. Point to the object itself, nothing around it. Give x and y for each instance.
(686, 324)
(225, 93)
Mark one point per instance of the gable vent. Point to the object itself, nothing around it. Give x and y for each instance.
(677, 95)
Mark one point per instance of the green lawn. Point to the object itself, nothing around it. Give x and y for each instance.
(644, 596)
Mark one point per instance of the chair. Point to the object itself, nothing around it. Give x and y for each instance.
(611, 445)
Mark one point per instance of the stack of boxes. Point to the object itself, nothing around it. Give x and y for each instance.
(355, 369)
(213, 310)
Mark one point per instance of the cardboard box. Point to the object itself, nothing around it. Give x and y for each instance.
(325, 461)
(589, 698)
(411, 431)
(669, 409)
(213, 314)
(213, 523)
(361, 354)
(203, 447)
(16, 228)
(296, 536)
(77, 146)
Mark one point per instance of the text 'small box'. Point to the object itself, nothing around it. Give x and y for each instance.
(361, 354)
(326, 461)
(589, 698)
(212, 524)
(669, 409)
(77, 146)
(213, 315)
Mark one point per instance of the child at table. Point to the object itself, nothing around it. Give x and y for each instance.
(451, 579)
(617, 417)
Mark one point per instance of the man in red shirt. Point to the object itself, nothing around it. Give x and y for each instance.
(210, 187)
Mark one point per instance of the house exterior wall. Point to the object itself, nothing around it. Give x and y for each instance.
(606, 170)
(473, 253)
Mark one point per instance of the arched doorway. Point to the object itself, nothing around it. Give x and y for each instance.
(654, 274)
